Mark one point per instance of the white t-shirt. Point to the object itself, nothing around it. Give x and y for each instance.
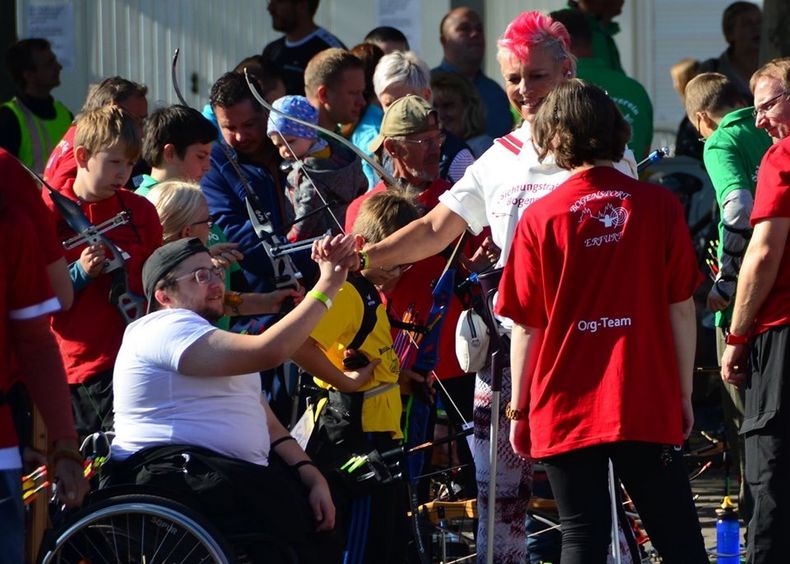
(155, 405)
(502, 183)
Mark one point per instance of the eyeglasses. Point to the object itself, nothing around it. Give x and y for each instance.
(203, 275)
(768, 105)
(435, 141)
(208, 221)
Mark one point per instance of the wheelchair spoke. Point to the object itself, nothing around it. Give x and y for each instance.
(137, 529)
(158, 544)
(188, 554)
(143, 558)
(175, 546)
(92, 544)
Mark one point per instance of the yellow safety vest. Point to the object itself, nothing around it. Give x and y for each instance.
(38, 136)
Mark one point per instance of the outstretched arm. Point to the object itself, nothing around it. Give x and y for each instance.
(220, 353)
(422, 238)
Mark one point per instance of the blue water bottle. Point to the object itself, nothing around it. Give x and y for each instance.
(728, 547)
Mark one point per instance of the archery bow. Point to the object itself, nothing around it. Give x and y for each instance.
(427, 355)
(287, 275)
(129, 305)
(426, 358)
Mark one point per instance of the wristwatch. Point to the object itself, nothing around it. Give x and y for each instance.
(733, 339)
(515, 414)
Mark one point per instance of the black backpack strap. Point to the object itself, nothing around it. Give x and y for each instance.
(370, 301)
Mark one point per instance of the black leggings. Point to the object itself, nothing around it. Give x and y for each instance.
(654, 476)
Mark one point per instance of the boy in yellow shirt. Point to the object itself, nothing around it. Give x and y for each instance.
(362, 414)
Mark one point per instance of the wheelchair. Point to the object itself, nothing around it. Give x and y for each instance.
(137, 528)
(136, 525)
(140, 524)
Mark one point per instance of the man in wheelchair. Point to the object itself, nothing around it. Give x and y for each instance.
(190, 419)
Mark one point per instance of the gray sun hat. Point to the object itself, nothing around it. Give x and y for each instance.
(405, 116)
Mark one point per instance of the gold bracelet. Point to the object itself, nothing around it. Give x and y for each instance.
(516, 414)
(233, 300)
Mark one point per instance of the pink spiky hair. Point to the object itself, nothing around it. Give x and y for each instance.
(530, 29)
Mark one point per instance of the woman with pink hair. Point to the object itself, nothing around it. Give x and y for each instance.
(534, 56)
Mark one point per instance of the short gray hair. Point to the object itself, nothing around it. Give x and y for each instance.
(401, 67)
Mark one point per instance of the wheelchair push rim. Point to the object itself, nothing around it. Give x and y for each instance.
(138, 529)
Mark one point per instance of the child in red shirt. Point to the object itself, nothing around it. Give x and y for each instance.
(107, 144)
(599, 285)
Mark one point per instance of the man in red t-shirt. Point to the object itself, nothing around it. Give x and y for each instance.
(761, 318)
(410, 134)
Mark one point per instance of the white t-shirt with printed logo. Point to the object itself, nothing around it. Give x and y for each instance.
(155, 405)
(503, 182)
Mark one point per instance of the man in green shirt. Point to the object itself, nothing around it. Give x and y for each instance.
(733, 150)
(627, 93)
(598, 15)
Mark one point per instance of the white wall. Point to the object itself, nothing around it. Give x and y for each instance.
(680, 29)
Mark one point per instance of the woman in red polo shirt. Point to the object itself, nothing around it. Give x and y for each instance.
(599, 284)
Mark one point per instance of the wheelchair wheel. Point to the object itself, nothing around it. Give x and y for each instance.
(136, 529)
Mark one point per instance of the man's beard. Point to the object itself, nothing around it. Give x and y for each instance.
(284, 24)
(209, 314)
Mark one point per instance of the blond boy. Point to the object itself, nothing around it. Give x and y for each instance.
(106, 146)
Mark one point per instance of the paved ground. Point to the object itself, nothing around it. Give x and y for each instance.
(709, 489)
